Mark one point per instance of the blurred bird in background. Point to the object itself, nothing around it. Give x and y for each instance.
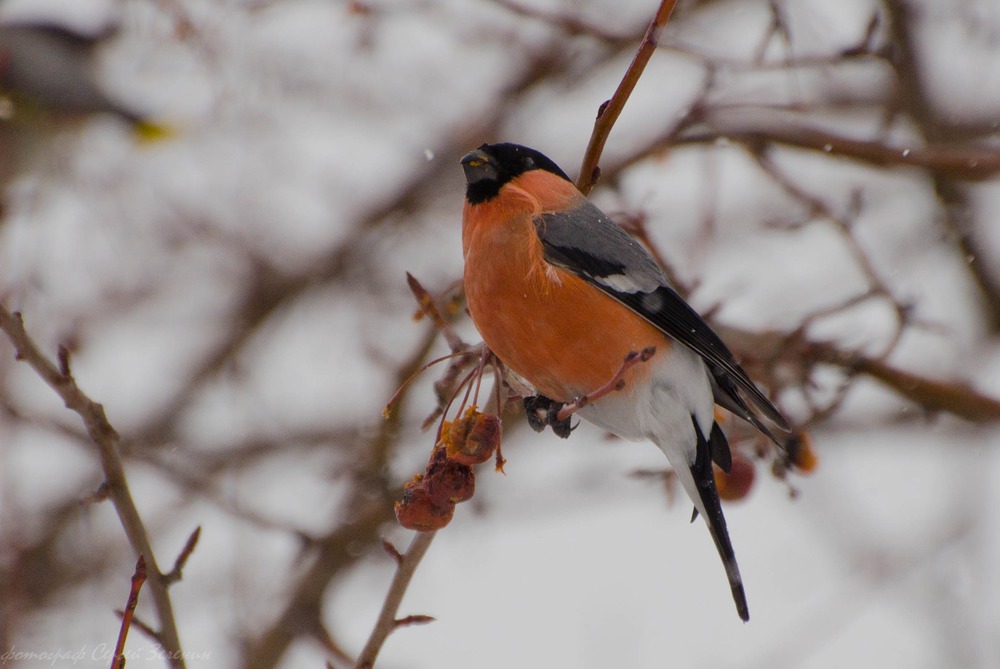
(47, 84)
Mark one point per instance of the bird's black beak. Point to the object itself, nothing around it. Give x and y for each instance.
(479, 166)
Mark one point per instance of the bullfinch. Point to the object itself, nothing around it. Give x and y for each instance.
(562, 295)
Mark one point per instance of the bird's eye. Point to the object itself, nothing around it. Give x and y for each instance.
(529, 163)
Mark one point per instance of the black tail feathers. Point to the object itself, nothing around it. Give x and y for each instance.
(709, 449)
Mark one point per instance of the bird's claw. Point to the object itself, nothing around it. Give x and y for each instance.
(542, 411)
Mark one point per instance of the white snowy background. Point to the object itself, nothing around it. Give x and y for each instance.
(235, 296)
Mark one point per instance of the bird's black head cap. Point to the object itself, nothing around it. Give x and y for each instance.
(491, 166)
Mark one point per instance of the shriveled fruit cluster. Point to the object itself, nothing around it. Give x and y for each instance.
(429, 499)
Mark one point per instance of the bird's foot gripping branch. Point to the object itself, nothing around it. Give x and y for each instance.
(543, 412)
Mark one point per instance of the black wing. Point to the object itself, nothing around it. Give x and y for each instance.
(587, 243)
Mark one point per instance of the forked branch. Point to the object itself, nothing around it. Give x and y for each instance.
(107, 441)
(406, 565)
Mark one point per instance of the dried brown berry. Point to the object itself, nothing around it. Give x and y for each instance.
(473, 438)
(420, 511)
(448, 480)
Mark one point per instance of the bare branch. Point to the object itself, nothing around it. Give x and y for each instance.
(387, 622)
(430, 309)
(915, 101)
(107, 440)
(182, 557)
(392, 551)
(566, 22)
(138, 578)
(612, 109)
(138, 624)
(973, 163)
(793, 350)
(955, 398)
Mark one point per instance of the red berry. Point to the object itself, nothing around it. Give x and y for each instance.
(737, 483)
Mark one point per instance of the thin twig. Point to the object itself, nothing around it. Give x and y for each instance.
(138, 578)
(107, 441)
(387, 622)
(138, 624)
(392, 551)
(430, 309)
(972, 162)
(612, 109)
(788, 351)
(567, 22)
(182, 558)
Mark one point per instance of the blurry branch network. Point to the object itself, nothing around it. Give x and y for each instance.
(767, 353)
(950, 155)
